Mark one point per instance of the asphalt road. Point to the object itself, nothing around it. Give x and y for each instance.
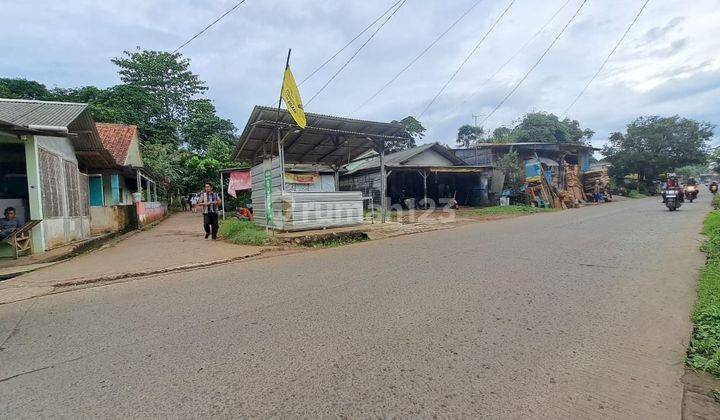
(575, 314)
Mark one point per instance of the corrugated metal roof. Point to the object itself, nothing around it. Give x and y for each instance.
(26, 113)
(398, 158)
(43, 118)
(327, 139)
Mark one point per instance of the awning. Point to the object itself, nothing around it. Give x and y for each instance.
(327, 140)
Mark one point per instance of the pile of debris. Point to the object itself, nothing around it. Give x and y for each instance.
(590, 177)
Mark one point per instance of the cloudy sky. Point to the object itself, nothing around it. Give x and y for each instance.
(668, 64)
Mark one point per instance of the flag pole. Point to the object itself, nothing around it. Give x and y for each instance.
(281, 151)
(287, 64)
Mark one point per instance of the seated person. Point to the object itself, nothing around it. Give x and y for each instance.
(9, 223)
(244, 214)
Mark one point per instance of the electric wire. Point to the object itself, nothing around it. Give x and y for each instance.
(210, 25)
(352, 57)
(520, 82)
(417, 57)
(602, 66)
(472, 52)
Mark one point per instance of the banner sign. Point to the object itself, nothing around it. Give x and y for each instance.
(532, 171)
(268, 192)
(302, 178)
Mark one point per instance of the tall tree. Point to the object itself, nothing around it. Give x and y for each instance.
(469, 135)
(653, 145)
(23, 89)
(502, 134)
(415, 131)
(547, 128)
(166, 76)
(202, 124)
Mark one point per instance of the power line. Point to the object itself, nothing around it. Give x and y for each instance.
(521, 49)
(210, 25)
(326, 62)
(414, 60)
(352, 57)
(622, 38)
(472, 52)
(517, 85)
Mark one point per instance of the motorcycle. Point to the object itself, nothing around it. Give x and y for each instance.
(691, 192)
(672, 200)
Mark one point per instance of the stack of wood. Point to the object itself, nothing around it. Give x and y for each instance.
(573, 184)
(547, 193)
(590, 177)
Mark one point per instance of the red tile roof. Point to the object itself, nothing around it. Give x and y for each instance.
(117, 138)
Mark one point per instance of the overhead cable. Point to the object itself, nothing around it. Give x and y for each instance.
(520, 82)
(472, 52)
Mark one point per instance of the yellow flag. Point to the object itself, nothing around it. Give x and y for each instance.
(291, 96)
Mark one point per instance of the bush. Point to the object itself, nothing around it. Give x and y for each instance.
(704, 351)
(242, 232)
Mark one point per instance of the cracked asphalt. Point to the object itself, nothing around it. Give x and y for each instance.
(575, 314)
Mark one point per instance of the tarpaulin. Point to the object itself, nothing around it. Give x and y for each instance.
(239, 180)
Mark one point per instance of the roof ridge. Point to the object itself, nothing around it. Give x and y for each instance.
(36, 101)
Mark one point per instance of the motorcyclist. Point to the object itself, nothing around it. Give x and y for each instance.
(713, 187)
(673, 184)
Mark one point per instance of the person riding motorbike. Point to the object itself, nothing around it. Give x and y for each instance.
(713, 187)
(673, 184)
(691, 189)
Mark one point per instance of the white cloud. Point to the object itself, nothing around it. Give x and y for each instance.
(667, 65)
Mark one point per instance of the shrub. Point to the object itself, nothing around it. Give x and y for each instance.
(242, 232)
(704, 351)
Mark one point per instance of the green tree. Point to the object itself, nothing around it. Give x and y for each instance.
(469, 135)
(414, 130)
(23, 89)
(165, 162)
(692, 171)
(202, 124)
(165, 75)
(509, 164)
(654, 145)
(547, 128)
(502, 134)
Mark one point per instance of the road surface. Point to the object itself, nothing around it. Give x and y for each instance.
(575, 314)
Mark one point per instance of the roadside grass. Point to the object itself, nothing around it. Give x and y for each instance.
(242, 232)
(502, 210)
(636, 194)
(704, 351)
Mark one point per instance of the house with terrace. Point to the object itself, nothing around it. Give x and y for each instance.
(126, 192)
(46, 150)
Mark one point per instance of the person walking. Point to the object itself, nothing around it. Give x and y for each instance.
(597, 192)
(183, 203)
(193, 203)
(210, 203)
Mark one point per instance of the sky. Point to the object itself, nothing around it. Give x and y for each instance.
(668, 64)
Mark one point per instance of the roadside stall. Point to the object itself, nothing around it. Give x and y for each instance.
(295, 172)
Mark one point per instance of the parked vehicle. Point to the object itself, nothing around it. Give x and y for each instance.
(672, 199)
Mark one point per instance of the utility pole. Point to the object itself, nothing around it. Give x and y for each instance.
(475, 117)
